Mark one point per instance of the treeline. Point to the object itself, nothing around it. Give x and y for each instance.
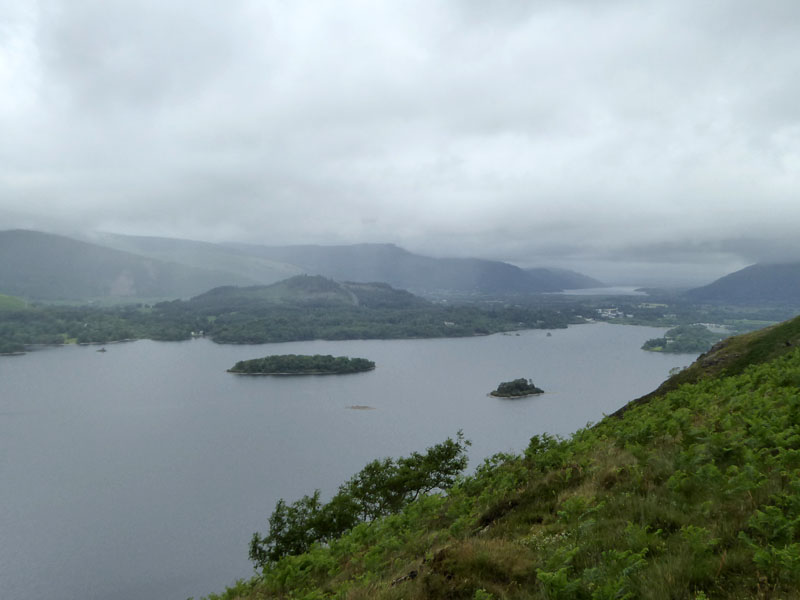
(279, 364)
(261, 323)
(53, 325)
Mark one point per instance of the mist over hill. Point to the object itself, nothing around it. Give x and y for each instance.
(251, 269)
(104, 266)
(756, 284)
(43, 266)
(420, 274)
(563, 278)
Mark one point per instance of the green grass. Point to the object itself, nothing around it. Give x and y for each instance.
(692, 494)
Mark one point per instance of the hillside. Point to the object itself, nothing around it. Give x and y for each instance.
(304, 307)
(694, 493)
(315, 307)
(307, 290)
(564, 279)
(754, 285)
(247, 269)
(42, 266)
(399, 268)
(731, 357)
(109, 266)
(360, 262)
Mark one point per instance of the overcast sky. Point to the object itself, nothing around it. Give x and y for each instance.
(617, 136)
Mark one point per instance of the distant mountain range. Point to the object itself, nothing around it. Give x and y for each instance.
(248, 268)
(48, 267)
(753, 285)
(419, 274)
(42, 266)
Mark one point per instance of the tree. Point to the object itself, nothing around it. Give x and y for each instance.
(383, 487)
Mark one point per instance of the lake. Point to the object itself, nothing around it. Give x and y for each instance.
(144, 470)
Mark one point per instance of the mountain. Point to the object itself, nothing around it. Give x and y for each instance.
(43, 266)
(248, 269)
(402, 269)
(693, 493)
(112, 266)
(756, 284)
(386, 263)
(563, 278)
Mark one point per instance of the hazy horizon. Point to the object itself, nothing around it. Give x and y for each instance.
(636, 142)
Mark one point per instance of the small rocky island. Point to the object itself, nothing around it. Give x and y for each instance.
(518, 388)
(299, 364)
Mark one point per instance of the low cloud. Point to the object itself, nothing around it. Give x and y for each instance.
(602, 134)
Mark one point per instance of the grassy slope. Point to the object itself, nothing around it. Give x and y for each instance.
(692, 494)
(731, 356)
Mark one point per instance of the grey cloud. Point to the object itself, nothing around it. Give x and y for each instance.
(558, 131)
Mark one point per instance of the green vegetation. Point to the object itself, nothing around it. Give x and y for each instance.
(297, 364)
(300, 308)
(11, 303)
(684, 339)
(382, 488)
(516, 389)
(693, 493)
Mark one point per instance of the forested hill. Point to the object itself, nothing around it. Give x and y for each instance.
(754, 285)
(43, 266)
(400, 268)
(304, 307)
(693, 494)
(307, 290)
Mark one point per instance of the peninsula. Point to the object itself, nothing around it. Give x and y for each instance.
(518, 388)
(298, 364)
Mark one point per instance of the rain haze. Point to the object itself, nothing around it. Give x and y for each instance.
(618, 138)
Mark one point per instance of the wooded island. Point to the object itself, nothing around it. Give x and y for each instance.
(516, 389)
(298, 364)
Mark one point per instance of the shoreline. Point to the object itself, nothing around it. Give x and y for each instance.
(493, 395)
(279, 374)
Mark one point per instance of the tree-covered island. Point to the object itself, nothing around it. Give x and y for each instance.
(298, 364)
(516, 389)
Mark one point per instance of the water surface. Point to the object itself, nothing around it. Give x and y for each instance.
(143, 471)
